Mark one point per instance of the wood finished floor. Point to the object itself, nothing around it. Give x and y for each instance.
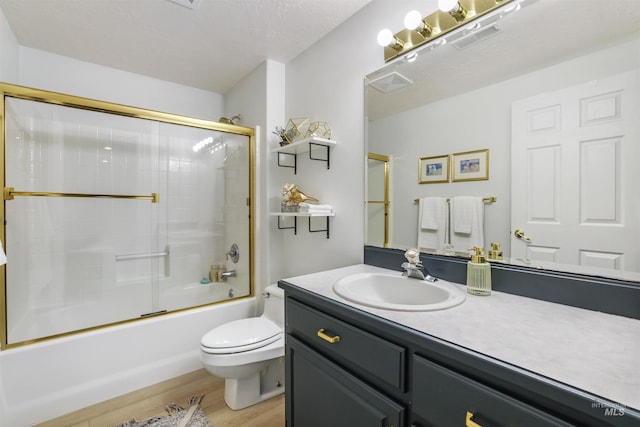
(151, 401)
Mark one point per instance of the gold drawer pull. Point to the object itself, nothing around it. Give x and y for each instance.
(327, 338)
(470, 422)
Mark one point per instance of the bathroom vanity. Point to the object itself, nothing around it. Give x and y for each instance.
(501, 360)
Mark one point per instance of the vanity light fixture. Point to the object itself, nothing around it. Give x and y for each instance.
(453, 8)
(467, 16)
(414, 21)
(387, 39)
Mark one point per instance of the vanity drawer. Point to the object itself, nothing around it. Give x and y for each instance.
(353, 348)
(442, 397)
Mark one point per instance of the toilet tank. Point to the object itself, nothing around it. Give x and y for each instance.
(274, 304)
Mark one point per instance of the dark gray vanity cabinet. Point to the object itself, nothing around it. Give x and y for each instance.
(326, 361)
(323, 394)
(442, 397)
(347, 368)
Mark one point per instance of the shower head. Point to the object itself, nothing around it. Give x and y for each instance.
(230, 121)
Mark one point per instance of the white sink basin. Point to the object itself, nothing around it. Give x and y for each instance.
(396, 292)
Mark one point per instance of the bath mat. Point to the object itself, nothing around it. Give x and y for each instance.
(178, 416)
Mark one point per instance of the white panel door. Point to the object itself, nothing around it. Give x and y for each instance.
(576, 175)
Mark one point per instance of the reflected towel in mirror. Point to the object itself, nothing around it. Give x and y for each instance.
(433, 223)
(467, 217)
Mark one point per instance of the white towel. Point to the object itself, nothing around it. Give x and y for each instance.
(305, 205)
(463, 211)
(429, 213)
(316, 211)
(467, 217)
(433, 223)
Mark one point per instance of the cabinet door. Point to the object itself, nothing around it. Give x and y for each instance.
(321, 394)
(444, 398)
(362, 353)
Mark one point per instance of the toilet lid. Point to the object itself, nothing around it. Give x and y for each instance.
(241, 335)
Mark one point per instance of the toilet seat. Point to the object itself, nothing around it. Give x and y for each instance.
(240, 336)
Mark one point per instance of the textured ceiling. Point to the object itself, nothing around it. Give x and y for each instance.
(211, 47)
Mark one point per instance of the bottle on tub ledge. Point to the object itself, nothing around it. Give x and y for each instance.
(478, 274)
(216, 272)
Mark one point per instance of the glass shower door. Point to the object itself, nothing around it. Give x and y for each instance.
(64, 270)
(206, 212)
(111, 217)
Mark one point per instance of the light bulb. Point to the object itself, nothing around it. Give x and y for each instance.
(385, 37)
(413, 20)
(448, 5)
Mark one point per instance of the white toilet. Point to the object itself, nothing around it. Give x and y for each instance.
(249, 354)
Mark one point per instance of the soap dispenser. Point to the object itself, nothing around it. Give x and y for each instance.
(495, 254)
(478, 274)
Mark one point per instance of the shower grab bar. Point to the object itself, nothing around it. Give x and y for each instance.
(9, 194)
(142, 255)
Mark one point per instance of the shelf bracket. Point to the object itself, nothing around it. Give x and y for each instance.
(328, 157)
(294, 228)
(320, 231)
(295, 162)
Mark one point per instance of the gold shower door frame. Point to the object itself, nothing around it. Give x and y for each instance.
(26, 93)
(385, 191)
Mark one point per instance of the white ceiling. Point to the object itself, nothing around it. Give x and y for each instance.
(211, 47)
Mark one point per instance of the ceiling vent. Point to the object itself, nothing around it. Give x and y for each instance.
(390, 82)
(191, 4)
(473, 38)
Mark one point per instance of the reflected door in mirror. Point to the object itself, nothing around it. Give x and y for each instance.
(572, 152)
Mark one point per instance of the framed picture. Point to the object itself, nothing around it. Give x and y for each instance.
(433, 169)
(470, 166)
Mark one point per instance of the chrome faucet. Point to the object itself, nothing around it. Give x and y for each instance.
(413, 267)
(227, 274)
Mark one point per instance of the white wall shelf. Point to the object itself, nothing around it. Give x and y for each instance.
(306, 145)
(295, 216)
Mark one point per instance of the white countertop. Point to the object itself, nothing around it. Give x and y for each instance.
(589, 350)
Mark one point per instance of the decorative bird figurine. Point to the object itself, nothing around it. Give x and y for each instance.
(298, 197)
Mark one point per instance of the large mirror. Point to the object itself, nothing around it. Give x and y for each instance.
(547, 100)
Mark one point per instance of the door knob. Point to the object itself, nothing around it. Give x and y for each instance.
(519, 233)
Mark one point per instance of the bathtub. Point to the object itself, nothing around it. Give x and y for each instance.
(45, 380)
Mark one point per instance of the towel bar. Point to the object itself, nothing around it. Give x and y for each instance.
(488, 199)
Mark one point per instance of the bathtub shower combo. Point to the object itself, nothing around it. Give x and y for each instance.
(113, 213)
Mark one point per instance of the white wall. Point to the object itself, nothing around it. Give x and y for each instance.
(325, 83)
(79, 78)
(8, 52)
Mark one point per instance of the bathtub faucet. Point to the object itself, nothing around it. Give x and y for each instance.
(231, 273)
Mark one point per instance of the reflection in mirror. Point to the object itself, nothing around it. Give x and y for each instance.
(378, 200)
(555, 102)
